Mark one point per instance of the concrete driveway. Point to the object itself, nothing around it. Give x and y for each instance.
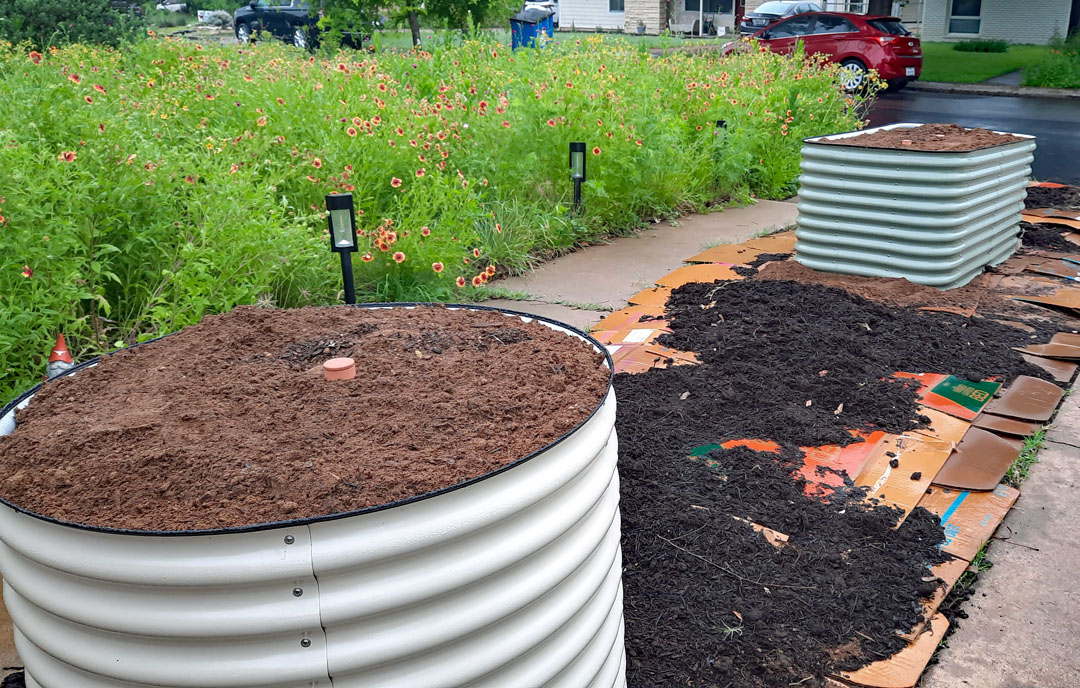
(1055, 123)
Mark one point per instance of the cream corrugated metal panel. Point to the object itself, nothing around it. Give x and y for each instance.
(509, 581)
(933, 217)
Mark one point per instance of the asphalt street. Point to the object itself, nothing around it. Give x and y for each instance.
(1054, 123)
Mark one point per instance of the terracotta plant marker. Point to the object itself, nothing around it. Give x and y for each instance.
(979, 462)
(1028, 398)
(339, 369)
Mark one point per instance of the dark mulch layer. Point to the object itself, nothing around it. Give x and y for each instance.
(711, 603)
(1046, 237)
(231, 423)
(1045, 197)
(773, 346)
(16, 680)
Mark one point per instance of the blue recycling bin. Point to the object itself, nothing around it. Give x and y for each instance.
(527, 25)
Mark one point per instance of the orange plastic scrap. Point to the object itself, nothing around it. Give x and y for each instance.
(948, 572)
(655, 296)
(822, 465)
(756, 445)
(782, 242)
(969, 518)
(700, 272)
(901, 468)
(903, 669)
(1048, 185)
(730, 254)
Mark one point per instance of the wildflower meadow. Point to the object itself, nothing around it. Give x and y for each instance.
(144, 187)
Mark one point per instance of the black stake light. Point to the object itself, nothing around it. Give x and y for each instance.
(577, 169)
(343, 237)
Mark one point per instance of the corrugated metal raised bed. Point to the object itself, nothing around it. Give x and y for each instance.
(510, 579)
(933, 217)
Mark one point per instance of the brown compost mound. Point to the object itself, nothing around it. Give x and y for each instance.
(928, 137)
(230, 423)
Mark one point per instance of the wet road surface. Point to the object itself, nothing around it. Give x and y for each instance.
(1055, 123)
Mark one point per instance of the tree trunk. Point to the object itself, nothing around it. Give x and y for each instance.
(414, 26)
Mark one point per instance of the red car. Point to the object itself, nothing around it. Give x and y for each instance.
(858, 42)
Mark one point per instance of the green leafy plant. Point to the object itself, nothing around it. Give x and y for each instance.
(147, 187)
(1060, 68)
(982, 46)
(44, 23)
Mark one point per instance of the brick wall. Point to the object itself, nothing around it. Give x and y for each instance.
(1030, 21)
(652, 12)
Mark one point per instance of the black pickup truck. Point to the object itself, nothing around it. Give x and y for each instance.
(292, 20)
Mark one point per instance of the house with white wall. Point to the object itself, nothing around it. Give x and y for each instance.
(644, 16)
(1030, 21)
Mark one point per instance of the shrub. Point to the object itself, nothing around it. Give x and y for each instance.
(145, 188)
(981, 46)
(43, 23)
(1060, 68)
(229, 6)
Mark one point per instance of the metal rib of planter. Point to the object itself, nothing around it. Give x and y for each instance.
(933, 217)
(512, 579)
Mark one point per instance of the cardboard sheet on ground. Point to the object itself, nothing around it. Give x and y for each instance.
(637, 358)
(730, 254)
(782, 242)
(1067, 338)
(942, 426)
(1005, 426)
(1065, 299)
(700, 272)
(952, 395)
(1055, 213)
(949, 572)
(637, 335)
(1061, 370)
(1062, 352)
(979, 462)
(630, 317)
(969, 518)
(918, 459)
(1055, 268)
(654, 296)
(903, 669)
(1027, 398)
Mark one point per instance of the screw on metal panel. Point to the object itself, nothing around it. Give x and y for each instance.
(297, 592)
(306, 642)
(289, 539)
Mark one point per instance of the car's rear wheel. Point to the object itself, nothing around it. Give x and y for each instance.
(852, 74)
(243, 33)
(300, 37)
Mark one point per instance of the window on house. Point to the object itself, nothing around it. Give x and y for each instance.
(617, 5)
(711, 6)
(966, 16)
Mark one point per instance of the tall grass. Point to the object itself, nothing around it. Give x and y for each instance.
(147, 187)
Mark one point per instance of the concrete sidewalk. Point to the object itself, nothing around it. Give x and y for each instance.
(1023, 629)
(579, 288)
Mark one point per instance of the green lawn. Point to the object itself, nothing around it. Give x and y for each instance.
(942, 63)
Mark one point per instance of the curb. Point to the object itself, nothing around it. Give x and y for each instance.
(995, 90)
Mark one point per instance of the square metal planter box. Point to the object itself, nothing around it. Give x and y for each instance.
(933, 217)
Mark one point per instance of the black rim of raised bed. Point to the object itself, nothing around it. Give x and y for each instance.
(276, 525)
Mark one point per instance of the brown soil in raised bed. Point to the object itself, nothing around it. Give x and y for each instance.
(230, 423)
(1065, 198)
(928, 137)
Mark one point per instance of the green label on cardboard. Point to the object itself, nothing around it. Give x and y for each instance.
(971, 395)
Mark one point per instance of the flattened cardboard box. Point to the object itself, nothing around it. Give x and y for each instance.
(898, 485)
(969, 518)
(699, 272)
(903, 669)
(730, 254)
(955, 396)
(654, 296)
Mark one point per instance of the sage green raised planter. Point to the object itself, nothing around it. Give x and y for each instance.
(937, 218)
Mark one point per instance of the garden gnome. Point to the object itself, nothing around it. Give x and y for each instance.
(60, 360)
